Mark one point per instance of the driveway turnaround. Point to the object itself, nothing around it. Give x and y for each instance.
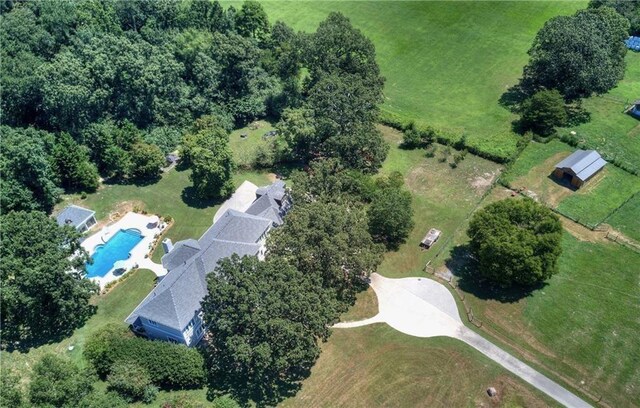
(422, 307)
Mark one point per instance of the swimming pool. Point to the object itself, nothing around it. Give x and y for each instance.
(117, 248)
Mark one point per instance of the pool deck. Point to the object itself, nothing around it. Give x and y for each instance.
(138, 258)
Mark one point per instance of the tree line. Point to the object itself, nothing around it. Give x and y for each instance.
(114, 86)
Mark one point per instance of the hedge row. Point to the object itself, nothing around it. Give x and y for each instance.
(170, 366)
(446, 136)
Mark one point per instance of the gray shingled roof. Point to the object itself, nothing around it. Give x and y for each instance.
(175, 300)
(182, 251)
(276, 190)
(74, 215)
(236, 226)
(266, 207)
(583, 163)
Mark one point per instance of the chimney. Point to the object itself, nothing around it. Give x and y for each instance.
(167, 245)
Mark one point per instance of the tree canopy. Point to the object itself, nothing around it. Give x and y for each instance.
(58, 382)
(267, 318)
(515, 242)
(630, 9)
(578, 55)
(543, 112)
(390, 212)
(329, 240)
(44, 295)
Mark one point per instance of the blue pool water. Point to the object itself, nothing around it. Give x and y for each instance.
(115, 249)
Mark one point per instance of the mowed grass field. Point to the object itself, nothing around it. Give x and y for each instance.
(627, 218)
(443, 197)
(446, 63)
(613, 133)
(583, 325)
(376, 366)
(599, 198)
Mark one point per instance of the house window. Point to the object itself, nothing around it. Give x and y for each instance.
(199, 331)
(151, 322)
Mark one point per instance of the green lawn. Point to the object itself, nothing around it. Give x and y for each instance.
(627, 218)
(446, 63)
(113, 307)
(591, 204)
(583, 325)
(244, 149)
(614, 134)
(600, 197)
(442, 198)
(375, 366)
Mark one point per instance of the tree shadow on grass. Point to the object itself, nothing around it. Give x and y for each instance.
(513, 97)
(138, 182)
(464, 267)
(38, 337)
(191, 199)
(267, 395)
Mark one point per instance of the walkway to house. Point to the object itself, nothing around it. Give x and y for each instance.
(422, 307)
(239, 201)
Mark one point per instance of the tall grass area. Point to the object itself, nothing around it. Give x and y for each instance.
(613, 133)
(446, 63)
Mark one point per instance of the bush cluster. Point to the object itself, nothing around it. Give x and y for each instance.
(170, 366)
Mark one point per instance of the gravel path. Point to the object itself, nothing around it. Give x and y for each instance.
(425, 308)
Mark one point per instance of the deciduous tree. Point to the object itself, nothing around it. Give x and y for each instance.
(579, 55)
(515, 242)
(44, 294)
(267, 318)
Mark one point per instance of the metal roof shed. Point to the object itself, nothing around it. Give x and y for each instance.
(580, 166)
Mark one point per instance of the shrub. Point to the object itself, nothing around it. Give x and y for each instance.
(543, 112)
(431, 151)
(130, 381)
(58, 382)
(265, 157)
(170, 366)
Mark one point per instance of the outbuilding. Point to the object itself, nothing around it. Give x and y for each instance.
(82, 219)
(579, 167)
(431, 238)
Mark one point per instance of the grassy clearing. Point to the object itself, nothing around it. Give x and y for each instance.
(113, 307)
(244, 149)
(446, 63)
(614, 134)
(583, 324)
(378, 366)
(591, 204)
(627, 218)
(442, 198)
(366, 306)
(601, 196)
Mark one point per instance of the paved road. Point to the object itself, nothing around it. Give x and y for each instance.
(425, 308)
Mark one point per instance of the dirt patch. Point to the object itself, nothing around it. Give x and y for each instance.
(582, 233)
(124, 207)
(483, 182)
(272, 177)
(541, 186)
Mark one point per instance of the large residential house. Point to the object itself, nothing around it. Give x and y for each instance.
(172, 310)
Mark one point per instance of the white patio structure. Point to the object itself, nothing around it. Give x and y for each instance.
(148, 225)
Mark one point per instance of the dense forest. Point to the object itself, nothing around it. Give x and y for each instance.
(107, 88)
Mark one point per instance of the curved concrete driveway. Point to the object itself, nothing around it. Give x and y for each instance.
(424, 308)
